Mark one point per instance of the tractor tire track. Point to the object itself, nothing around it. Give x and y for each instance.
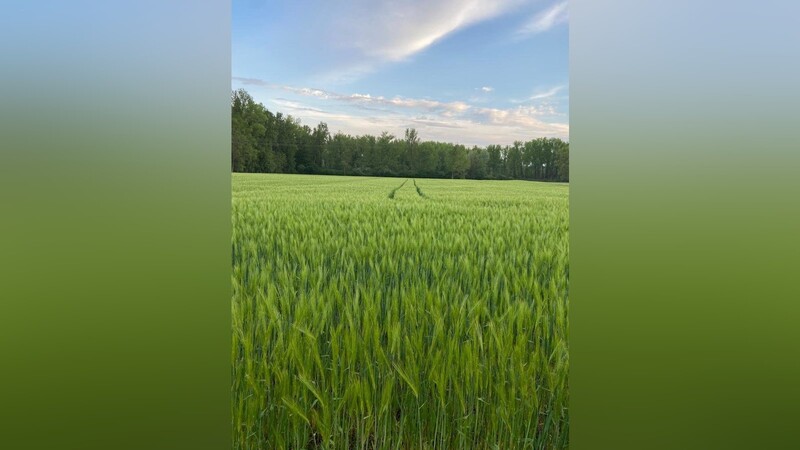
(419, 191)
(391, 194)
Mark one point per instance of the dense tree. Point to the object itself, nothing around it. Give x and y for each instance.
(478, 159)
(562, 161)
(514, 161)
(458, 161)
(265, 142)
(494, 165)
(412, 144)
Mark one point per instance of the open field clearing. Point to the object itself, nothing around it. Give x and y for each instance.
(395, 313)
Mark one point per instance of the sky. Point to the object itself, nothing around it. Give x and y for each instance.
(473, 72)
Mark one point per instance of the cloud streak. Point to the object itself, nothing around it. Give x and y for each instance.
(369, 34)
(546, 94)
(394, 30)
(555, 15)
(541, 95)
(364, 99)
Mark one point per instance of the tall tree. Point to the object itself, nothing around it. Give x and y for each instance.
(319, 141)
(495, 162)
(412, 142)
(562, 160)
(478, 159)
(514, 161)
(385, 161)
(459, 161)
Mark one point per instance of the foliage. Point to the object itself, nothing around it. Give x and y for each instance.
(265, 142)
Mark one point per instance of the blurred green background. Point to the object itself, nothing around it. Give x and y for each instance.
(684, 225)
(115, 231)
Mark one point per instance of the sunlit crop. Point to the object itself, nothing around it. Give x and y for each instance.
(399, 314)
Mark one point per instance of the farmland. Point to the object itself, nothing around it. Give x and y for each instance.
(396, 313)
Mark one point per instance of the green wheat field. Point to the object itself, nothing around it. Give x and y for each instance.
(392, 313)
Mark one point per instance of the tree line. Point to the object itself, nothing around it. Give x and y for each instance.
(265, 142)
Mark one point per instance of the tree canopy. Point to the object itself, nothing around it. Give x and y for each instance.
(265, 142)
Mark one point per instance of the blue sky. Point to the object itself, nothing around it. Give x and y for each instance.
(474, 72)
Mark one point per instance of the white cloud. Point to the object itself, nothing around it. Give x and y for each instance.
(487, 89)
(526, 116)
(395, 30)
(497, 128)
(455, 121)
(556, 14)
(363, 99)
(546, 94)
(541, 94)
(368, 34)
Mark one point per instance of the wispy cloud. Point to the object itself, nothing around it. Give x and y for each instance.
(394, 30)
(522, 115)
(546, 94)
(496, 128)
(541, 94)
(556, 14)
(363, 99)
(375, 33)
(455, 121)
(487, 89)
